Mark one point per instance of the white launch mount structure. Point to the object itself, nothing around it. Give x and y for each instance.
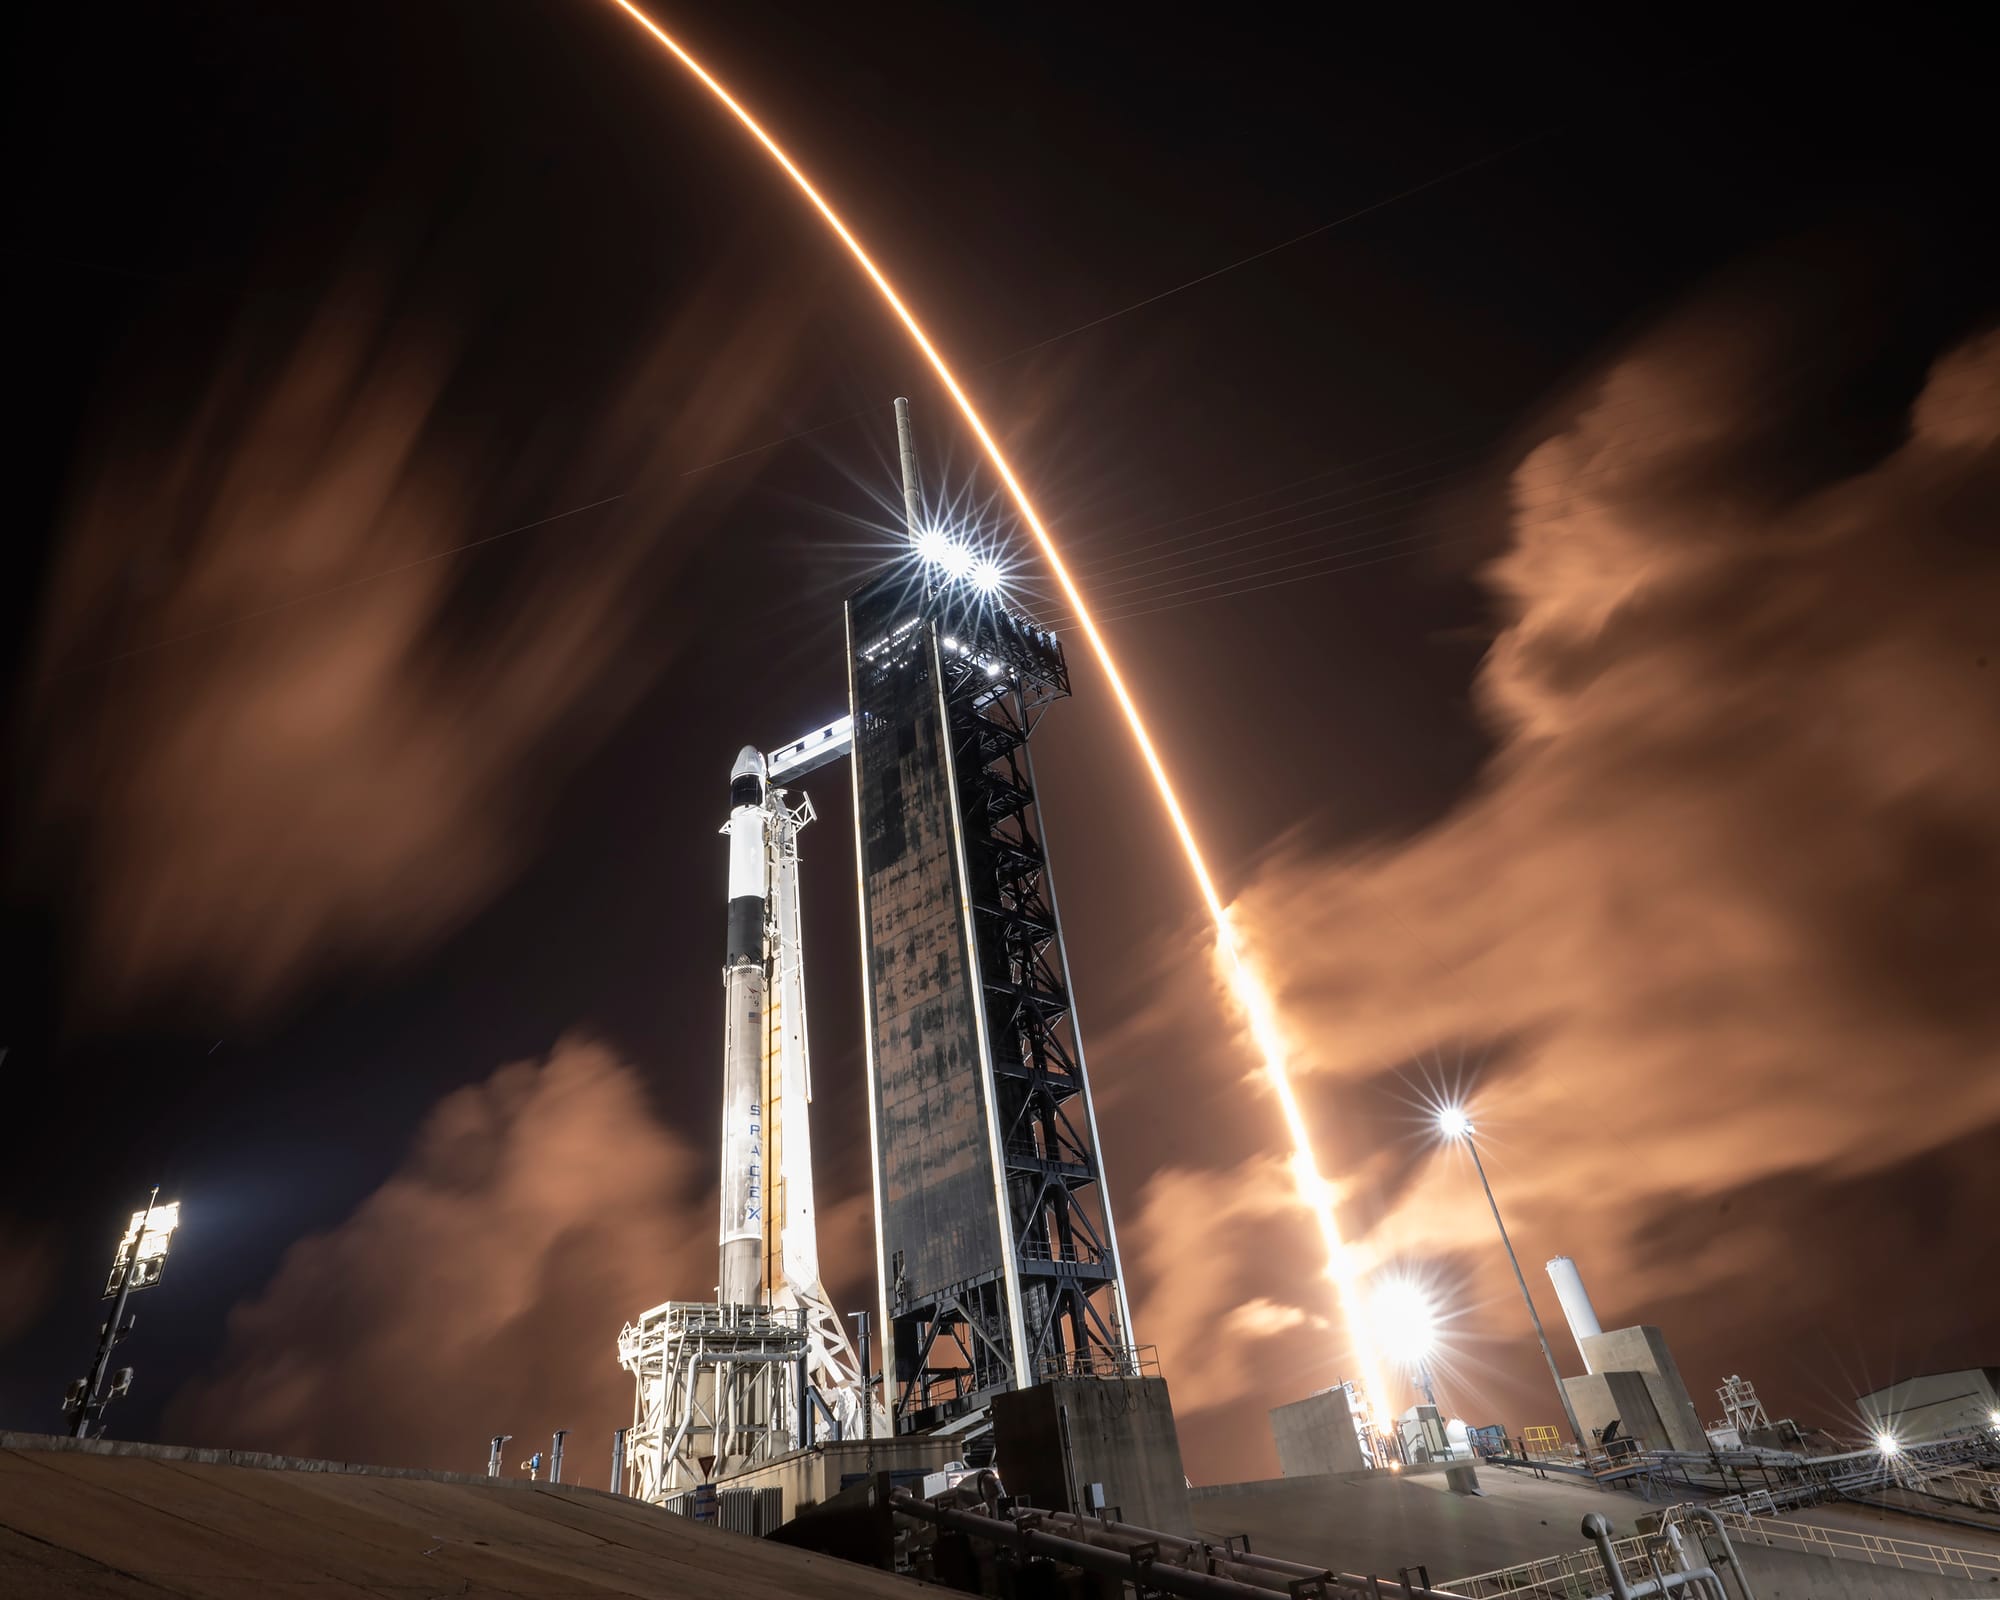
(767, 1366)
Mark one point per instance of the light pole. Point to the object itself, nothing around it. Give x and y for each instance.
(1456, 1127)
(140, 1259)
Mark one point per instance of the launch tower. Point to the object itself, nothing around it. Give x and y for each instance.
(997, 1259)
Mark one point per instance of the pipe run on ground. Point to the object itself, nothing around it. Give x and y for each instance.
(1598, 1530)
(1146, 1556)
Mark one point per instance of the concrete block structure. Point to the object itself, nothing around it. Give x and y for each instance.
(1055, 1439)
(812, 1477)
(1600, 1398)
(1316, 1435)
(1634, 1378)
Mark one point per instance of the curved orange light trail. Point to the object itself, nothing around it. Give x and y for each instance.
(1248, 987)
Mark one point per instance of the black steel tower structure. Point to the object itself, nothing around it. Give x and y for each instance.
(995, 1246)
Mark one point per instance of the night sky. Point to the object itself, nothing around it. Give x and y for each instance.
(1565, 593)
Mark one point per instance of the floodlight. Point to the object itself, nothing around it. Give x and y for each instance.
(1453, 1123)
(142, 1253)
(986, 577)
(932, 546)
(957, 560)
(1405, 1322)
(1888, 1443)
(158, 1230)
(1994, 1418)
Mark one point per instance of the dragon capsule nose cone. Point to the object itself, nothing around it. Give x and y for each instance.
(747, 777)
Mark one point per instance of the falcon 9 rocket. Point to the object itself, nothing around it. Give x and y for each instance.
(743, 981)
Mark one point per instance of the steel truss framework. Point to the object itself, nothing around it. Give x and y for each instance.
(791, 1248)
(717, 1389)
(999, 677)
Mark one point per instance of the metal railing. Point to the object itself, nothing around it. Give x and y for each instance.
(1541, 1441)
(1977, 1487)
(1036, 1250)
(1848, 1544)
(1573, 1575)
(1132, 1361)
(1580, 1574)
(685, 1317)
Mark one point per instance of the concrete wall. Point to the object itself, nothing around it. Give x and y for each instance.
(1935, 1404)
(1052, 1440)
(812, 1477)
(1636, 1397)
(1316, 1435)
(1644, 1349)
(1638, 1409)
(1590, 1398)
(1795, 1575)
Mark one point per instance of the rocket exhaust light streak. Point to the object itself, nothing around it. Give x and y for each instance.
(1247, 985)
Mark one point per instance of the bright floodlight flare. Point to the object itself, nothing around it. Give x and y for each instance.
(1248, 986)
(986, 577)
(1453, 1123)
(1888, 1443)
(958, 561)
(1404, 1322)
(932, 547)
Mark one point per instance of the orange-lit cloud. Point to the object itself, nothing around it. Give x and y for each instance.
(1717, 922)
(480, 1290)
(289, 786)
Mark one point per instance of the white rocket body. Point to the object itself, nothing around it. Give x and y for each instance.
(1577, 1309)
(743, 1143)
(770, 1239)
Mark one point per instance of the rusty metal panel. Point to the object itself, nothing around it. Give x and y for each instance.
(939, 1216)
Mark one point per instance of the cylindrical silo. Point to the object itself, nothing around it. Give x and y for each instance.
(1576, 1304)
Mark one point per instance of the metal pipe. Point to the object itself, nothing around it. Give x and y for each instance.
(860, 1319)
(1131, 1566)
(618, 1460)
(1598, 1530)
(1191, 1554)
(1216, 1560)
(1709, 1516)
(913, 505)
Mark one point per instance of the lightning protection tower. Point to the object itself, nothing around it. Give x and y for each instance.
(997, 1259)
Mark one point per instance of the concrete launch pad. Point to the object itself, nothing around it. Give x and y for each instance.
(115, 1521)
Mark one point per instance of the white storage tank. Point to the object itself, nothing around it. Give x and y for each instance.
(1581, 1315)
